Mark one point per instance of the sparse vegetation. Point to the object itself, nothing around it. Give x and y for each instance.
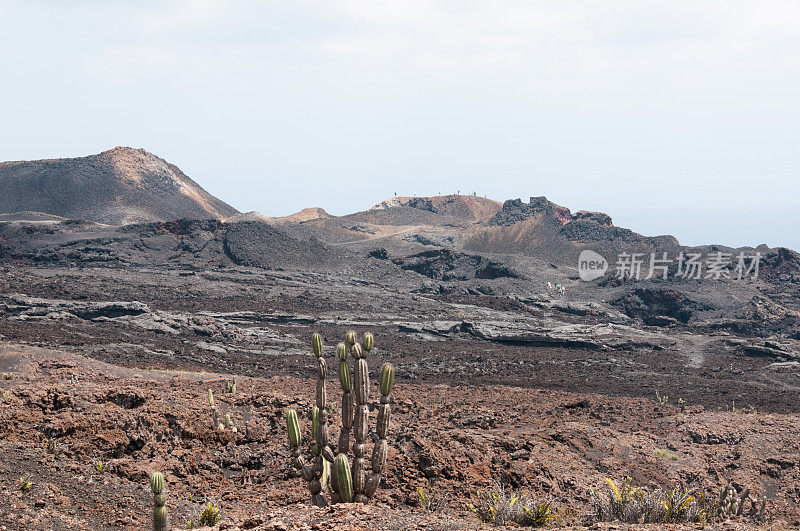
(8, 376)
(230, 386)
(663, 400)
(209, 516)
(732, 503)
(432, 502)
(99, 466)
(500, 505)
(349, 482)
(25, 483)
(630, 504)
(52, 447)
(663, 454)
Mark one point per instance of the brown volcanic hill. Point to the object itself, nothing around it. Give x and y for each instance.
(119, 186)
(307, 214)
(445, 209)
(549, 231)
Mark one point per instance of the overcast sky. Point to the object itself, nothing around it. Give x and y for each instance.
(678, 117)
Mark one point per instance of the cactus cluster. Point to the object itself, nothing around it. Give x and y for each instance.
(731, 503)
(159, 502)
(226, 422)
(349, 482)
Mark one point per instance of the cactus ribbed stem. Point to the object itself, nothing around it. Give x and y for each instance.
(315, 424)
(159, 502)
(368, 341)
(356, 351)
(362, 381)
(293, 427)
(344, 478)
(321, 434)
(361, 388)
(380, 451)
(346, 382)
(387, 379)
(344, 377)
(351, 338)
(316, 344)
(382, 426)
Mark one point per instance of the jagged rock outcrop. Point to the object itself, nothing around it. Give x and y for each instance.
(443, 264)
(657, 306)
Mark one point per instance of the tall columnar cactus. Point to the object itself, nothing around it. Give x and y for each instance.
(347, 399)
(381, 449)
(362, 416)
(159, 502)
(321, 433)
(316, 473)
(311, 473)
(348, 482)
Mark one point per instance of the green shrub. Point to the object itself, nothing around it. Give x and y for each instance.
(25, 484)
(636, 505)
(209, 516)
(499, 505)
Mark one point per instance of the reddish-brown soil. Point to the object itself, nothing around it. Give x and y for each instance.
(450, 440)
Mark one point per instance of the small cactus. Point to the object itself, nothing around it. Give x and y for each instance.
(731, 503)
(351, 338)
(209, 516)
(211, 398)
(230, 386)
(159, 502)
